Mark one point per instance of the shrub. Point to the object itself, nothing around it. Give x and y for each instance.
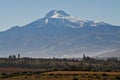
(4, 75)
(51, 74)
(117, 78)
(75, 78)
(23, 73)
(104, 74)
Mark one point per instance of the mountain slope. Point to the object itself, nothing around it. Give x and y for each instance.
(61, 35)
(113, 53)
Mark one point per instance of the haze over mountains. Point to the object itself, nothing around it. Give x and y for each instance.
(113, 54)
(61, 35)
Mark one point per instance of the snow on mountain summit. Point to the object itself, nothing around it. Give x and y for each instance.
(62, 19)
(59, 14)
(55, 13)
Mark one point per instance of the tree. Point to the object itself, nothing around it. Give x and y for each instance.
(13, 57)
(18, 55)
(10, 57)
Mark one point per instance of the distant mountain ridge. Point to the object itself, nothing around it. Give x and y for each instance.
(61, 35)
(110, 54)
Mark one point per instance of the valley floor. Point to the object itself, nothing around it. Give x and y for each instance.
(26, 74)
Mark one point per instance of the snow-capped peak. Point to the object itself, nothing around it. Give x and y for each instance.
(61, 18)
(56, 14)
(59, 14)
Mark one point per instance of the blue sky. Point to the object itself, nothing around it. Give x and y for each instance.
(22, 12)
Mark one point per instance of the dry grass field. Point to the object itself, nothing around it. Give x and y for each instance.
(56, 75)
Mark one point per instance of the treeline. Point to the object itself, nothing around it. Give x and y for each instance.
(57, 64)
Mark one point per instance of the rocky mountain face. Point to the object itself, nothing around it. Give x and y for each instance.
(61, 35)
